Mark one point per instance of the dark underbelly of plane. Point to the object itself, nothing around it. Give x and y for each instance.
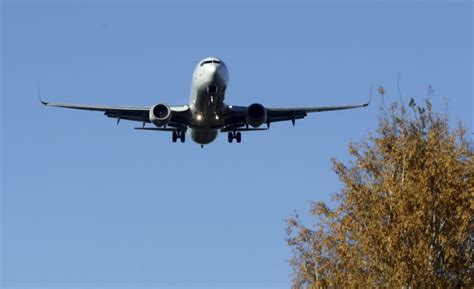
(203, 136)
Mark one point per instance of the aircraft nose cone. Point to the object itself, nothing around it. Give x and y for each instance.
(212, 70)
(216, 72)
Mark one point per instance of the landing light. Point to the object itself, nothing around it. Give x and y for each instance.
(217, 117)
(199, 117)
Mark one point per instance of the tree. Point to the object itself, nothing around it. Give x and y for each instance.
(405, 215)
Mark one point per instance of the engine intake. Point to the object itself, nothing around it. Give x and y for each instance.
(160, 114)
(256, 115)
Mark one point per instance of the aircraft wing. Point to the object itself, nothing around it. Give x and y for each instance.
(235, 115)
(179, 116)
(282, 114)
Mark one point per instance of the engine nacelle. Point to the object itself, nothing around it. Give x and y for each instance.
(160, 114)
(256, 115)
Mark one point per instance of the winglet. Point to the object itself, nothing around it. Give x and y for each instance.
(39, 95)
(370, 96)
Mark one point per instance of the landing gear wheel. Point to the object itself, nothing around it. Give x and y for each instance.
(182, 136)
(175, 136)
(238, 137)
(234, 135)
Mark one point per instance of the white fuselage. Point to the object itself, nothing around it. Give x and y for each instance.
(210, 79)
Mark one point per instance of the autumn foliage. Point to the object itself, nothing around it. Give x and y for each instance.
(405, 215)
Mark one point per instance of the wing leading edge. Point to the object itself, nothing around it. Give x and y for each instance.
(179, 117)
(235, 115)
(282, 114)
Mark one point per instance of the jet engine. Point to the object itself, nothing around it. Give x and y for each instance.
(160, 114)
(256, 115)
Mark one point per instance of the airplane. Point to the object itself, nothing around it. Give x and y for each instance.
(206, 114)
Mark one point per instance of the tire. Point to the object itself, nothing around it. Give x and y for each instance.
(230, 137)
(175, 136)
(238, 137)
(182, 136)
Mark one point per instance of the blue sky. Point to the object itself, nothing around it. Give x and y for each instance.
(86, 203)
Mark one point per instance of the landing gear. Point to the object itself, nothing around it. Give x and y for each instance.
(238, 137)
(234, 135)
(179, 134)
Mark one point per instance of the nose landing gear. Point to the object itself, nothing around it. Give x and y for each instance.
(234, 135)
(179, 134)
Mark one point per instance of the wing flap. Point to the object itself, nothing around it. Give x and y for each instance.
(242, 129)
(129, 115)
(157, 128)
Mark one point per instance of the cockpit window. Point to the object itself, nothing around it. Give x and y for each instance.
(209, 61)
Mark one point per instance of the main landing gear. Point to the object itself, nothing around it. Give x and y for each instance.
(234, 135)
(179, 134)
